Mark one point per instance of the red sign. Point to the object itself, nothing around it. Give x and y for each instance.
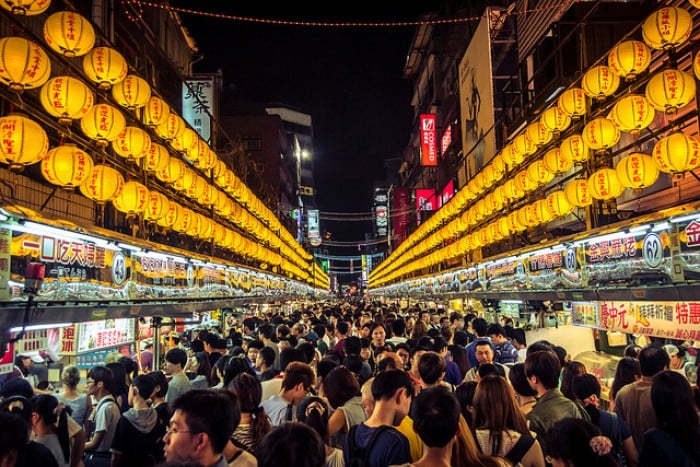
(446, 140)
(428, 140)
(693, 233)
(447, 193)
(400, 211)
(425, 199)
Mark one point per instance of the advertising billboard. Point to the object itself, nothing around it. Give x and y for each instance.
(428, 140)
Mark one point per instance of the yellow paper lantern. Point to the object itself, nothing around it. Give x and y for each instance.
(512, 157)
(132, 199)
(670, 89)
(23, 64)
(22, 141)
(555, 120)
(538, 173)
(489, 176)
(557, 162)
(26, 7)
(105, 66)
(210, 195)
(156, 206)
(544, 214)
(677, 153)
(133, 143)
(605, 185)
(132, 92)
(600, 82)
(186, 142)
(499, 167)
(172, 214)
(184, 221)
(69, 34)
(103, 184)
(559, 203)
(601, 134)
(206, 161)
(223, 205)
(696, 65)
(186, 180)
(200, 149)
(637, 170)
(66, 98)
(173, 127)
(632, 113)
(500, 195)
(629, 58)
(66, 166)
(524, 183)
(538, 134)
(196, 190)
(156, 158)
(512, 191)
(523, 145)
(578, 193)
(154, 112)
(514, 224)
(173, 170)
(528, 216)
(573, 102)
(575, 147)
(667, 28)
(102, 123)
(503, 226)
(218, 169)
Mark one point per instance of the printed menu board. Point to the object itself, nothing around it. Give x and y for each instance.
(102, 334)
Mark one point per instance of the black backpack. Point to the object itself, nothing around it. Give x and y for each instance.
(359, 456)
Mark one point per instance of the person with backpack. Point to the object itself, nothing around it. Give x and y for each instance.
(586, 388)
(375, 442)
(499, 425)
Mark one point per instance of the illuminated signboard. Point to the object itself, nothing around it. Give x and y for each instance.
(425, 199)
(197, 105)
(428, 143)
(446, 140)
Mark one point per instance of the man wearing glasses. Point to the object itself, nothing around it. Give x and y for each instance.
(201, 426)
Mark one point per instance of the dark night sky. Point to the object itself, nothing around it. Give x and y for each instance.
(348, 79)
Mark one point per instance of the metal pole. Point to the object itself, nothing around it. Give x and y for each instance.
(155, 324)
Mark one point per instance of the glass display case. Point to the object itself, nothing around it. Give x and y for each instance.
(603, 366)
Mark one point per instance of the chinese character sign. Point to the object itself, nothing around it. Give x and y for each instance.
(428, 140)
(198, 105)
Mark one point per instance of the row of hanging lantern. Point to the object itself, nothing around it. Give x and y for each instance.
(25, 65)
(667, 90)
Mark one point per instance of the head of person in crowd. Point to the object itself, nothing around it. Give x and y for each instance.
(50, 417)
(563, 355)
(483, 350)
(674, 405)
(234, 367)
(496, 333)
(14, 434)
(456, 320)
(265, 362)
(398, 326)
(435, 413)
(290, 355)
(175, 361)
(249, 391)
(17, 387)
(460, 338)
(379, 334)
(339, 386)
(120, 386)
(480, 327)
(267, 333)
(632, 351)
(465, 395)
(202, 423)
(393, 391)
(254, 347)
(543, 369)
(196, 345)
(404, 352)
(315, 412)
(130, 367)
(419, 329)
(586, 390)
(495, 408)
(569, 371)
(70, 376)
(291, 443)
(487, 369)
(575, 442)
(538, 346)
(308, 351)
(218, 370)
(627, 371)
(431, 369)
(201, 366)
(100, 382)
(518, 379)
(653, 359)
(518, 340)
(161, 385)
(352, 345)
(298, 378)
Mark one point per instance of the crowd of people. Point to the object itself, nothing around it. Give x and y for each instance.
(357, 384)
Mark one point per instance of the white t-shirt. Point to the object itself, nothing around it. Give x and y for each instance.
(106, 419)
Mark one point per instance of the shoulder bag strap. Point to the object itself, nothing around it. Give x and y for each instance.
(519, 449)
(373, 440)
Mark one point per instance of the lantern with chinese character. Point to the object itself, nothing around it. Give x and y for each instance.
(537, 172)
(600, 82)
(557, 162)
(207, 160)
(102, 123)
(22, 141)
(629, 58)
(605, 185)
(133, 143)
(186, 142)
(173, 127)
(637, 170)
(210, 196)
(559, 204)
(601, 134)
(667, 28)
(156, 158)
(573, 103)
(523, 145)
(575, 147)
(200, 149)
(632, 113)
(66, 98)
(225, 179)
(499, 167)
(696, 65)
(578, 193)
(538, 134)
(218, 169)
(670, 89)
(155, 111)
(544, 214)
(26, 7)
(171, 216)
(555, 120)
(132, 199)
(156, 206)
(173, 170)
(103, 184)
(133, 92)
(184, 221)
(186, 180)
(514, 224)
(511, 156)
(69, 34)
(512, 191)
(677, 153)
(23, 64)
(66, 166)
(196, 190)
(524, 183)
(105, 66)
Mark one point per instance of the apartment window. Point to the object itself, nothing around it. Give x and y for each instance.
(252, 142)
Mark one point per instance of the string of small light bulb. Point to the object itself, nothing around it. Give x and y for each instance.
(325, 24)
